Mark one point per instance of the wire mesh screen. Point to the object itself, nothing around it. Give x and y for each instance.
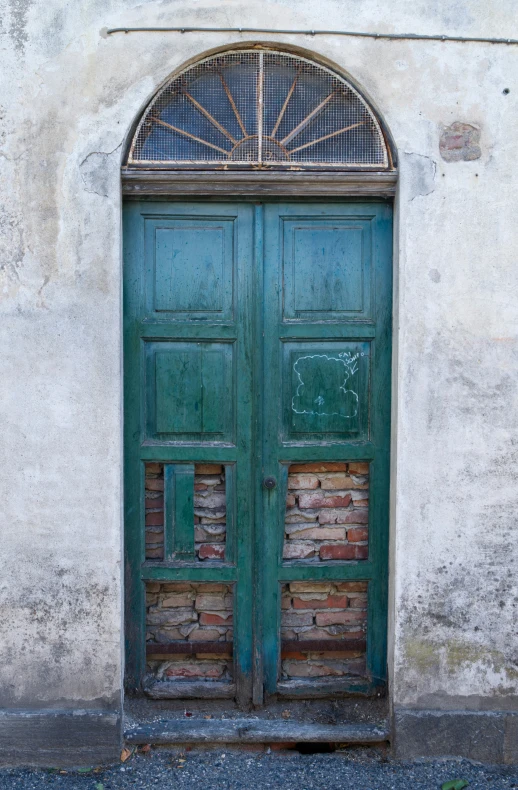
(258, 109)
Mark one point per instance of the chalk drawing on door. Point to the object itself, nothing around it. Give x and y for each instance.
(322, 385)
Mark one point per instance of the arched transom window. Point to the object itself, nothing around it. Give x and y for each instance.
(255, 108)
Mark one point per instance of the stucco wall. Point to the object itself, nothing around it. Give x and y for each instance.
(68, 98)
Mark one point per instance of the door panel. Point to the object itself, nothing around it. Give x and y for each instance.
(191, 266)
(257, 345)
(189, 391)
(325, 391)
(188, 431)
(327, 267)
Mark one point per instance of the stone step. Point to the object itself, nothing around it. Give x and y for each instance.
(250, 730)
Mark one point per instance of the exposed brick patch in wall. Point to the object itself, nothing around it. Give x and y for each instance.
(209, 518)
(327, 512)
(323, 610)
(460, 141)
(189, 612)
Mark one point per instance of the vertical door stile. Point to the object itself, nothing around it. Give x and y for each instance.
(272, 294)
(133, 467)
(243, 638)
(169, 510)
(257, 456)
(183, 512)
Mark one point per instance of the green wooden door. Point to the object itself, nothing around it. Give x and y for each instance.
(257, 426)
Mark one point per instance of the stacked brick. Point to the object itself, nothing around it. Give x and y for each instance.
(154, 511)
(210, 512)
(323, 610)
(209, 522)
(327, 512)
(189, 612)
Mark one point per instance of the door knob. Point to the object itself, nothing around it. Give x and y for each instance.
(269, 482)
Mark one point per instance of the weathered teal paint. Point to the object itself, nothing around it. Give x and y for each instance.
(256, 336)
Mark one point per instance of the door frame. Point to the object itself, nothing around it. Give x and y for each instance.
(257, 186)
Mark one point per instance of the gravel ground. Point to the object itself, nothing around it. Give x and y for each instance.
(226, 769)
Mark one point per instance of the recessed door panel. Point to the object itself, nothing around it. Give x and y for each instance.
(191, 267)
(189, 391)
(325, 390)
(326, 269)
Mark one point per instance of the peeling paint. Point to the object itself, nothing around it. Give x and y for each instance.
(420, 174)
(19, 10)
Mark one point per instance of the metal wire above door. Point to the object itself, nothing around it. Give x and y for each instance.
(259, 109)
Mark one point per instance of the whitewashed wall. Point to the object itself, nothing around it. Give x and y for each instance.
(68, 97)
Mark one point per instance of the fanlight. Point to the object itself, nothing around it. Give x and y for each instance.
(259, 109)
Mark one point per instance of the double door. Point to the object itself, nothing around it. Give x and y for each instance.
(257, 341)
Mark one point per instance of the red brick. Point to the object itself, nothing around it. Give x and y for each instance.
(331, 602)
(359, 468)
(178, 599)
(357, 533)
(297, 656)
(154, 537)
(318, 533)
(290, 500)
(296, 619)
(215, 619)
(453, 141)
(335, 481)
(351, 586)
(341, 552)
(318, 500)
(154, 504)
(153, 468)
(155, 483)
(176, 587)
(200, 487)
(358, 601)
(302, 481)
(212, 551)
(155, 519)
(294, 550)
(318, 467)
(194, 669)
(310, 587)
(332, 516)
(208, 469)
(300, 669)
(212, 602)
(339, 618)
(155, 554)
(204, 635)
(356, 516)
